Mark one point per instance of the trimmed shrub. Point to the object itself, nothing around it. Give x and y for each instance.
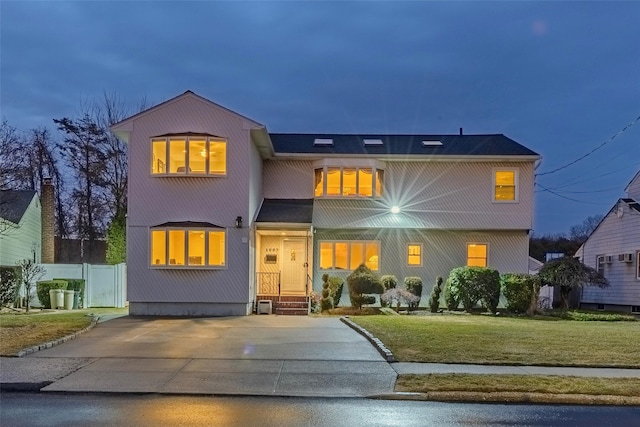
(336, 284)
(472, 284)
(451, 299)
(389, 281)
(414, 285)
(326, 303)
(398, 296)
(76, 285)
(9, 284)
(519, 290)
(43, 288)
(363, 281)
(434, 301)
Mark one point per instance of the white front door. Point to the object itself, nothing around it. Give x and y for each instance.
(293, 267)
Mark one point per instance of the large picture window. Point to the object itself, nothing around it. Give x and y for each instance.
(195, 155)
(505, 188)
(348, 182)
(476, 254)
(348, 255)
(175, 247)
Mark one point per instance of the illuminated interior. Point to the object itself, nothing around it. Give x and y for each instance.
(216, 248)
(414, 255)
(194, 155)
(187, 247)
(505, 188)
(477, 255)
(349, 255)
(347, 182)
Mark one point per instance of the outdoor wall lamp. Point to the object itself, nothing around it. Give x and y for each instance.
(395, 210)
(239, 222)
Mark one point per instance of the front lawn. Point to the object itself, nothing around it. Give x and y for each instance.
(490, 340)
(19, 331)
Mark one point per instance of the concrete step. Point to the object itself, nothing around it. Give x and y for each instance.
(291, 311)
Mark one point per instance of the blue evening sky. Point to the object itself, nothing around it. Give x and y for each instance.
(562, 78)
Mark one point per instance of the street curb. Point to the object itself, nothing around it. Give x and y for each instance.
(384, 351)
(512, 397)
(30, 350)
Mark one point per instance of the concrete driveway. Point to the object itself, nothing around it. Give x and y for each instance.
(252, 355)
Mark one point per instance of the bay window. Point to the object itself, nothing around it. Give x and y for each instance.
(187, 247)
(348, 255)
(348, 182)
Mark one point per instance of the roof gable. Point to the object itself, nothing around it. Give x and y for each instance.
(14, 203)
(124, 125)
(631, 203)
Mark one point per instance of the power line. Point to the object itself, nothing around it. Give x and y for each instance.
(624, 129)
(568, 198)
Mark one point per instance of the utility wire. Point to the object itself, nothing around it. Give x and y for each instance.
(624, 129)
(569, 198)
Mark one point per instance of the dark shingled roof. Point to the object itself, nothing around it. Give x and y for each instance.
(188, 224)
(297, 211)
(14, 203)
(452, 145)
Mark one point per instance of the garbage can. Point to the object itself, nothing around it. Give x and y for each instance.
(58, 298)
(52, 298)
(68, 300)
(76, 297)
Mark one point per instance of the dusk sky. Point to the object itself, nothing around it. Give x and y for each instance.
(561, 78)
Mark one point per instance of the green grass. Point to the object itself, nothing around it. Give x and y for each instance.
(511, 341)
(21, 330)
(519, 383)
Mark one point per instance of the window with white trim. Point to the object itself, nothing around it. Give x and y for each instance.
(192, 155)
(176, 247)
(600, 264)
(349, 255)
(638, 265)
(477, 254)
(414, 254)
(505, 185)
(348, 182)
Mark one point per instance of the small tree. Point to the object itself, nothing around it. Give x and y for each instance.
(451, 298)
(116, 241)
(9, 284)
(326, 303)
(398, 296)
(568, 273)
(31, 272)
(389, 281)
(434, 301)
(363, 281)
(336, 284)
(414, 285)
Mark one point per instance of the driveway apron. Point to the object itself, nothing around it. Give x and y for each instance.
(252, 355)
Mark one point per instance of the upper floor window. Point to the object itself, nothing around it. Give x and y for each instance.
(197, 155)
(477, 254)
(190, 247)
(505, 185)
(348, 182)
(414, 254)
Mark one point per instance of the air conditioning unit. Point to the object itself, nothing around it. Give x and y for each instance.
(625, 257)
(264, 307)
(608, 259)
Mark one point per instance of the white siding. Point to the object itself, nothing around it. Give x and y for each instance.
(633, 190)
(288, 179)
(21, 242)
(614, 236)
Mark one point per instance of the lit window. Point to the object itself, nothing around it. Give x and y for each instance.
(476, 255)
(187, 247)
(414, 254)
(192, 155)
(347, 182)
(349, 255)
(505, 185)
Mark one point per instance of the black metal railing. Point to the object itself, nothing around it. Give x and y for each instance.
(268, 283)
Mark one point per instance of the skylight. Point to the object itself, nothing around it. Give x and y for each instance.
(372, 141)
(431, 143)
(323, 141)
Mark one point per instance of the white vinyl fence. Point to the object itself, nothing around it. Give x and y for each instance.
(105, 285)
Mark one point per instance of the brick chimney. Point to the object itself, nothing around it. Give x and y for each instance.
(47, 201)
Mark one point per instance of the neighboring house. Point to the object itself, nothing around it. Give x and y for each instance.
(223, 213)
(613, 248)
(20, 226)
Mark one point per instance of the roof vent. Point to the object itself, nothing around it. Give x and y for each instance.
(431, 143)
(323, 141)
(372, 141)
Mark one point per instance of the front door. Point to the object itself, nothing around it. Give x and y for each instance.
(293, 267)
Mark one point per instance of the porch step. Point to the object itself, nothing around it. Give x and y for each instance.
(288, 305)
(291, 311)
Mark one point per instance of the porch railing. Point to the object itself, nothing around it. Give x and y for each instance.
(268, 283)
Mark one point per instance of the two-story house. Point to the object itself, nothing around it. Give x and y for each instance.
(20, 226)
(223, 213)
